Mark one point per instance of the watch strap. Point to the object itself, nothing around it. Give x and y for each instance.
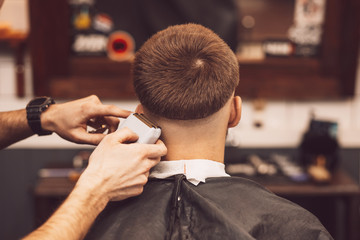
(34, 110)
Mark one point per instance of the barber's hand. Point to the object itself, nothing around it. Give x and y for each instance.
(119, 169)
(69, 120)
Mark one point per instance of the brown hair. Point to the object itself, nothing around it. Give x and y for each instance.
(185, 72)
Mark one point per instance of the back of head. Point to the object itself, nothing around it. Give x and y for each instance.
(185, 72)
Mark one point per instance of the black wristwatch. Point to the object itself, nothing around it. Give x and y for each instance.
(33, 111)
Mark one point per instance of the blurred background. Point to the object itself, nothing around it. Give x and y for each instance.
(299, 81)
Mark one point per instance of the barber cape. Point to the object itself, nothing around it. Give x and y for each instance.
(196, 199)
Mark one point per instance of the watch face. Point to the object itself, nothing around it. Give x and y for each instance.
(38, 101)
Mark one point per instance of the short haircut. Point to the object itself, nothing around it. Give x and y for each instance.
(185, 72)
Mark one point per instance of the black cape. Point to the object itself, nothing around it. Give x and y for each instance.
(222, 208)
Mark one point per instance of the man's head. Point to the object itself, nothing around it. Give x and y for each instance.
(185, 72)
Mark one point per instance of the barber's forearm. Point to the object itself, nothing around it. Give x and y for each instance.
(13, 127)
(75, 216)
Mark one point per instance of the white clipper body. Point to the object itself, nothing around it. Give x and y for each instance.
(147, 131)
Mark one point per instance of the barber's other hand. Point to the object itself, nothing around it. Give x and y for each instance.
(69, 120)
(119, 169)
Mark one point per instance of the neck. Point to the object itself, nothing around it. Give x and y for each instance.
(197, 139)
(194, 139)
(195, 148)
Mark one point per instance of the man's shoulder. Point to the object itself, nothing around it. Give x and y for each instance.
(256, 209)
(235, 184)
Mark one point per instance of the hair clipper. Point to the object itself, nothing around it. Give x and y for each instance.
(147, 131)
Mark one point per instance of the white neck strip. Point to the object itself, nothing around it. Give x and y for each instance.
(195, 170)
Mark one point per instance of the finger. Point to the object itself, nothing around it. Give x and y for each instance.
(112, 123)
(162, 147)
(92, 98)
(89, 138)
(155, 150)
(108, 110)
(125, 135)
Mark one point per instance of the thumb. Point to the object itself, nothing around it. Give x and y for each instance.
(125, 135)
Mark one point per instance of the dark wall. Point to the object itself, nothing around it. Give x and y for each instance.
(18, 174)
(19, 169)
(142, 18)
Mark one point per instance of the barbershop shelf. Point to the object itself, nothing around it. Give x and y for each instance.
(340, 185)
(13, 37)
(283, 62)
(94, 75)
(287, 78)
(54, 187)
(99, 65)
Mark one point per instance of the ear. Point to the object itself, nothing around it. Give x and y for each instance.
(235, 112)
(139, 108)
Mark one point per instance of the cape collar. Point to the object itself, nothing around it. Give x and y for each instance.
(195, 170)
